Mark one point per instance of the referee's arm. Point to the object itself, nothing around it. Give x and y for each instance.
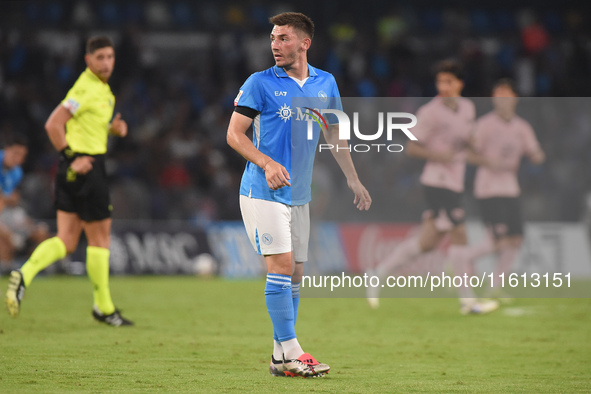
(277, 176)
(56, 127)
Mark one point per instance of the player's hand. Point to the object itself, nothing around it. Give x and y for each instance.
(119, 126)
(443, 157)
(362, 197)
(82, 164)
(277, 176)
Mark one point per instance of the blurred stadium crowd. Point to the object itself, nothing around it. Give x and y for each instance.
(180, 64)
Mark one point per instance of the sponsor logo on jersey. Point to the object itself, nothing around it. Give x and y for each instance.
(72, 105)
(284, 113)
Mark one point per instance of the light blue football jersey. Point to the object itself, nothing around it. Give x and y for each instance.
(280, 131)
(9, 178)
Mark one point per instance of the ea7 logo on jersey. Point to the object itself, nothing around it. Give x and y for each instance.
(279, 93)
(238, 98)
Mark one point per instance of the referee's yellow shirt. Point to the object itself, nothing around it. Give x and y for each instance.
(91, 103)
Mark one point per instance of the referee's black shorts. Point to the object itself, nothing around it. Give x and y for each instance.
(502, 215)
(86, 195)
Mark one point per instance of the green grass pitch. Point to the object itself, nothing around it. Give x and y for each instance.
(195, 335)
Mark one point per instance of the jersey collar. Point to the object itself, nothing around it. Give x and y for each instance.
(93, 76)
(280, 72)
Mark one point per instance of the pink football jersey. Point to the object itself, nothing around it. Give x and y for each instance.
(442, 129)
(504, 142)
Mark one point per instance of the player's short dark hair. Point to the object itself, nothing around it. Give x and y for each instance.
(297, 20)
(98, 42)
(507, 82)
(16, 139)
(449, 66)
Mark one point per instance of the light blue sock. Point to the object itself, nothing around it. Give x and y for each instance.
(295, 297)
(280, 306)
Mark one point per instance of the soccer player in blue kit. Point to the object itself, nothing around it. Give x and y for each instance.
(11, 158)
(275, 212)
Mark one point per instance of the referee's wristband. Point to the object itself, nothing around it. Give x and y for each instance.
(67, 153)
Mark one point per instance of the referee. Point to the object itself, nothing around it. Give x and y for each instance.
(78, 128)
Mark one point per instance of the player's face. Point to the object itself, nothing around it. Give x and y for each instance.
(448, 85)
(504, 98)
(287, 45)
(101, 62)
(15, 155)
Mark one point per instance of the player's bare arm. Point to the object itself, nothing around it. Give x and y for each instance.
(343, 158)
(417, 150)
(538, 157)
(276, 174)
(56, 130)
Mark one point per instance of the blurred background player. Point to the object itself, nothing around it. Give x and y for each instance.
(78, 128)
(501, 139)
(11, 173)
(443, 130)
(19, 233)
(275, 213)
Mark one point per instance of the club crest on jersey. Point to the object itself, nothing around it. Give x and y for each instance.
(322, 95)
(284, 112)
(238, 97)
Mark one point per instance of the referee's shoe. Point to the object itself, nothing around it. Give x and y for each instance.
(114, 319)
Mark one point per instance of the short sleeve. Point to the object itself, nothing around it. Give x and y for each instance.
(75, 99)
(335, 102)
(250, 94)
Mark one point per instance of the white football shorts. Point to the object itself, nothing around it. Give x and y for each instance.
(275, 228)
